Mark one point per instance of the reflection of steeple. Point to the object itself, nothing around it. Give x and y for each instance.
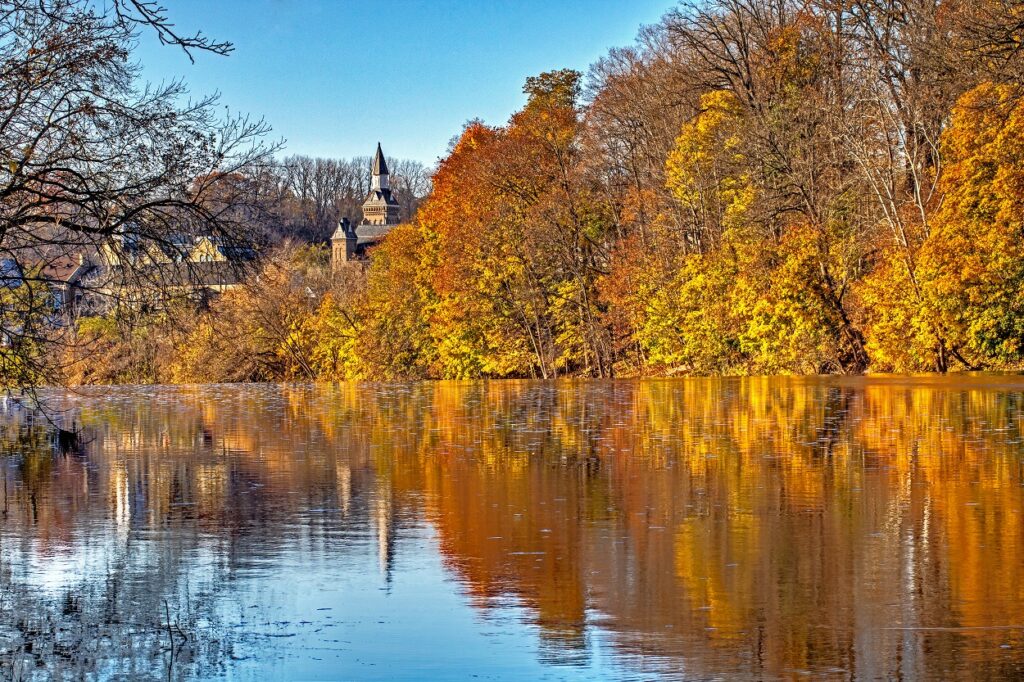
(122, 501)
(343, 475)
(379, 173)
(384, 517)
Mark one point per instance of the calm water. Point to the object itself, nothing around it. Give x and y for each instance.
(695, 529)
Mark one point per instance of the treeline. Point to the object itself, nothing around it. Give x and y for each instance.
(756, 186)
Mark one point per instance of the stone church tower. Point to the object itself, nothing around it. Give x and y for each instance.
(344, 243)
(380, 207)
(381, 212)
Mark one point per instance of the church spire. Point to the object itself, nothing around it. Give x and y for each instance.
(380, 171)
(381, 207)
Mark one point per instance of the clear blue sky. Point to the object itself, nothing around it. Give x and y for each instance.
(335, 76)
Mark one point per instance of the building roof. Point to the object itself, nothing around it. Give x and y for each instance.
(380, 167)
(60, 269)
(230, 250)
(340, 232)
(378, 196)
(367, 232)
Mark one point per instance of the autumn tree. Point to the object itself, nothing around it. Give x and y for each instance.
(258, 332)
(506, 253)
(973, 260)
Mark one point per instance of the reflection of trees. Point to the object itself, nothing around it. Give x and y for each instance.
(784, 524)
(750, 525)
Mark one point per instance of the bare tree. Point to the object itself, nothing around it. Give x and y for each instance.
(95, 160)
(410, 182)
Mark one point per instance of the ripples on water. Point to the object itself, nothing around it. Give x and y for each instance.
(739, 528)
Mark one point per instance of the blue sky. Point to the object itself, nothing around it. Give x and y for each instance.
(335, 76)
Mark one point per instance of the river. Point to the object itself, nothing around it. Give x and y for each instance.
(744, 528)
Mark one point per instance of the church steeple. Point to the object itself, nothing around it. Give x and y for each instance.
(380, 207)
(380, 179)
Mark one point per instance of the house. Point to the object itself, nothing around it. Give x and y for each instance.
(121, 273)
(381, 213)
(70, 279)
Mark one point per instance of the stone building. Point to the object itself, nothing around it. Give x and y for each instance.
(380, 214)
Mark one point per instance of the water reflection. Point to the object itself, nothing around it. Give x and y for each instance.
(858, 528)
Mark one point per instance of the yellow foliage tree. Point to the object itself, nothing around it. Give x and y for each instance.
(973, 260)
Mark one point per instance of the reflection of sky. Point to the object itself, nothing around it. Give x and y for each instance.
(417, 626)
(320, 612)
